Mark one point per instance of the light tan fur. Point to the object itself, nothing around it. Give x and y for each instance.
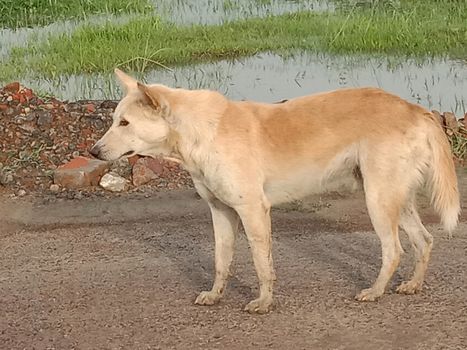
(245, 157)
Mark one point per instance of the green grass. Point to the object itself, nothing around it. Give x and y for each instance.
(407, 28)
(24, 13)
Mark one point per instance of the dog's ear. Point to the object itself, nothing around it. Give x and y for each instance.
(127, 83)
(155, 99)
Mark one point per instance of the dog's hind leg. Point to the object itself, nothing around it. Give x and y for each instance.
(384, 197)
(422, 242)
(256, 220)
(225, 221)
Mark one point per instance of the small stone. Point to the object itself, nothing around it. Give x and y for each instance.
(5, 179)
(9, 98)
(9, 179)
(90, 108)
(113, 182)
(21, 193)
(75, 154)
(121, 167)
(98, 124)
(44, 118)
(54, 188)
(109, 104)
(27, 110)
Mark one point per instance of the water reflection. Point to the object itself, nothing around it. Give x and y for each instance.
(219, 11)
(435, 84)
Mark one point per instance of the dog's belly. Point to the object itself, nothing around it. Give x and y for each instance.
(297, 185)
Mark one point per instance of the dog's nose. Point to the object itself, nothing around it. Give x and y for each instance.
(95, 150)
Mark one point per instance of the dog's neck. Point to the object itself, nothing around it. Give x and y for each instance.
(193, 129)
(184, 147)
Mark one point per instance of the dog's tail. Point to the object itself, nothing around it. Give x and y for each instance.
(442, 176)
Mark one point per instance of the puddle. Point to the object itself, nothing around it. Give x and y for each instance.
(435, 84)
(219, 11)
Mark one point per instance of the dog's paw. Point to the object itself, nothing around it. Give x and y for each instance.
(369, 294)
(207, 298)
(409, 287)
(259, 306)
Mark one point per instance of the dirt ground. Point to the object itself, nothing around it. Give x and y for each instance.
(123, 273)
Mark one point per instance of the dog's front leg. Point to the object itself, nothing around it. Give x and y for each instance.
(225, 221)
(256, 220)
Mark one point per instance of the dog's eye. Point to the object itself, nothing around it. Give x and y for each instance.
(123, 122)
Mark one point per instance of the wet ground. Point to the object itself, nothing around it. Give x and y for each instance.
(123, 273)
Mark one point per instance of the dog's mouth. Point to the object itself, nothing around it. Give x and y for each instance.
(127, 154)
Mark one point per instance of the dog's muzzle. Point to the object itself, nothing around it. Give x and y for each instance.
(95, 151)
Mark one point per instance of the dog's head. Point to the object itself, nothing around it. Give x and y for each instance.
(139, 122)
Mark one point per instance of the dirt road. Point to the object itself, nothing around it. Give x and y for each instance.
(123, 274)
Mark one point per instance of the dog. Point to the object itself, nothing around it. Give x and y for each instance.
(245, 157)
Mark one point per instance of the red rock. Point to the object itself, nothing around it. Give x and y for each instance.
(155, 164)
(82, 146)
(3, 106)
(133, 159)
(28, 93)
(90, 108)
(143, 171)
(76, 163)
(12, 87)
(80, 172)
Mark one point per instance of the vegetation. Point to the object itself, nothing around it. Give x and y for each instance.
(24, 13)
(458, 141)
(414, 28)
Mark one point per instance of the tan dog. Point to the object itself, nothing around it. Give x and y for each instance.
(245, 157)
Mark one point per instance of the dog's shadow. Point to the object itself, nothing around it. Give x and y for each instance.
(354, 258)
(191, 250)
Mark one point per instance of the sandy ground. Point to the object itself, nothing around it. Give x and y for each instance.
(123, 273)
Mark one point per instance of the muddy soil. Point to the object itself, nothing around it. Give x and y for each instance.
(123, 273)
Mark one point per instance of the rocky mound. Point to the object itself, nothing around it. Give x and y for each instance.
(39, 134)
